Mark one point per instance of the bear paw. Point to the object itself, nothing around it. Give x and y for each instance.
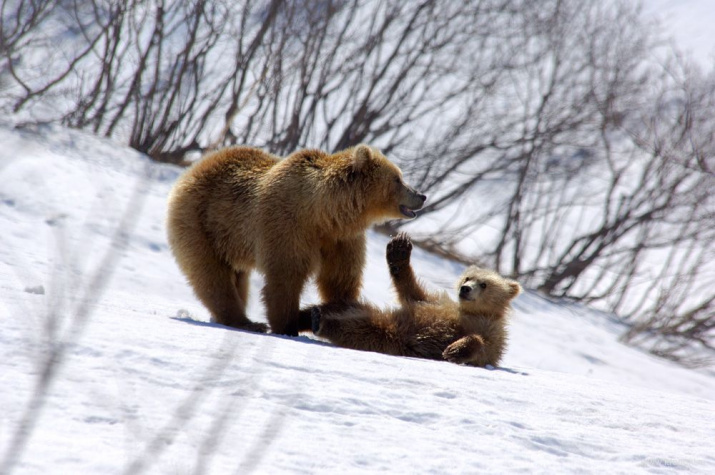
(315, 315)
(256, 327)
(454, 354)
(399, 250)
(462, 350)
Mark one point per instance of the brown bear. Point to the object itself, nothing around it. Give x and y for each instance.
(241, 208)
(427, 325)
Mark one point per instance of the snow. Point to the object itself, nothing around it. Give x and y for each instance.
(145, 383)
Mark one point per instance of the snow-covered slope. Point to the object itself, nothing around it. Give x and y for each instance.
(145, 383)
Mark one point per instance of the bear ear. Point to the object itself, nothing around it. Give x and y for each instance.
(361, 156)
(514, 288)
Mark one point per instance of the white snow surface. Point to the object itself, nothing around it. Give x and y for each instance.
(145, 384)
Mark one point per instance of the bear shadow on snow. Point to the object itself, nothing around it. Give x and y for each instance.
(200, 323)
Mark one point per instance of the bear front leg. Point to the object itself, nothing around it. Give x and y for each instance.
(341, 265)
(398, 253)
(465, 350)
(281, 296)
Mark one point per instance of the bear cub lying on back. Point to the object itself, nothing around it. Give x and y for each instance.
(427, 325)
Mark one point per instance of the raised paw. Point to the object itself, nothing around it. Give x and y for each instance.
(399, 250)
(315, 315)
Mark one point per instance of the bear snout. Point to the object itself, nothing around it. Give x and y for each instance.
(464, 291)
(415, 199)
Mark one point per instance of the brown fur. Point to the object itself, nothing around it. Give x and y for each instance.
(427, 325)
(241, 208)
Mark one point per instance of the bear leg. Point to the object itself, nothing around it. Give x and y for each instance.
(359, 327)
(315, 315)
(398, 253)
(242, 280)
(281, 296)
(342, 262)
(223, 291)
(228, 298)
(305, 320)
(310, 317)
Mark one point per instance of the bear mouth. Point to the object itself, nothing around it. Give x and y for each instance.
(407, 211)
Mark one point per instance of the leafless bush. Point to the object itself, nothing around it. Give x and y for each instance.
(18, 27)
(644, 244)
(172, 77)
(596, 177)
(676, 311)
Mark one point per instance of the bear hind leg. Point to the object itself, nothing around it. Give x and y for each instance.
(358, 327)
(281, 296)
(238, 318)
(224, 292)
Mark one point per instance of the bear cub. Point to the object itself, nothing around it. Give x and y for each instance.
(427, 325)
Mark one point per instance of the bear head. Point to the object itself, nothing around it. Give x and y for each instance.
(485, 292)
(387, 195)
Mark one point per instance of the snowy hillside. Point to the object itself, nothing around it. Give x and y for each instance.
(144, 383)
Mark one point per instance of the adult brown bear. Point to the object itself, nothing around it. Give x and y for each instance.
(241, 208)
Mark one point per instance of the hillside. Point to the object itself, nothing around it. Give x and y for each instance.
(143, 382)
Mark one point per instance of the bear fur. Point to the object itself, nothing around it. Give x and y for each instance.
(427, 325)
(240, 209)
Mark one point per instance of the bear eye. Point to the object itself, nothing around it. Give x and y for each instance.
(483, 285)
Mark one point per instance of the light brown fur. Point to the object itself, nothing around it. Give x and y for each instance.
(427, 325)
(241, 208)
